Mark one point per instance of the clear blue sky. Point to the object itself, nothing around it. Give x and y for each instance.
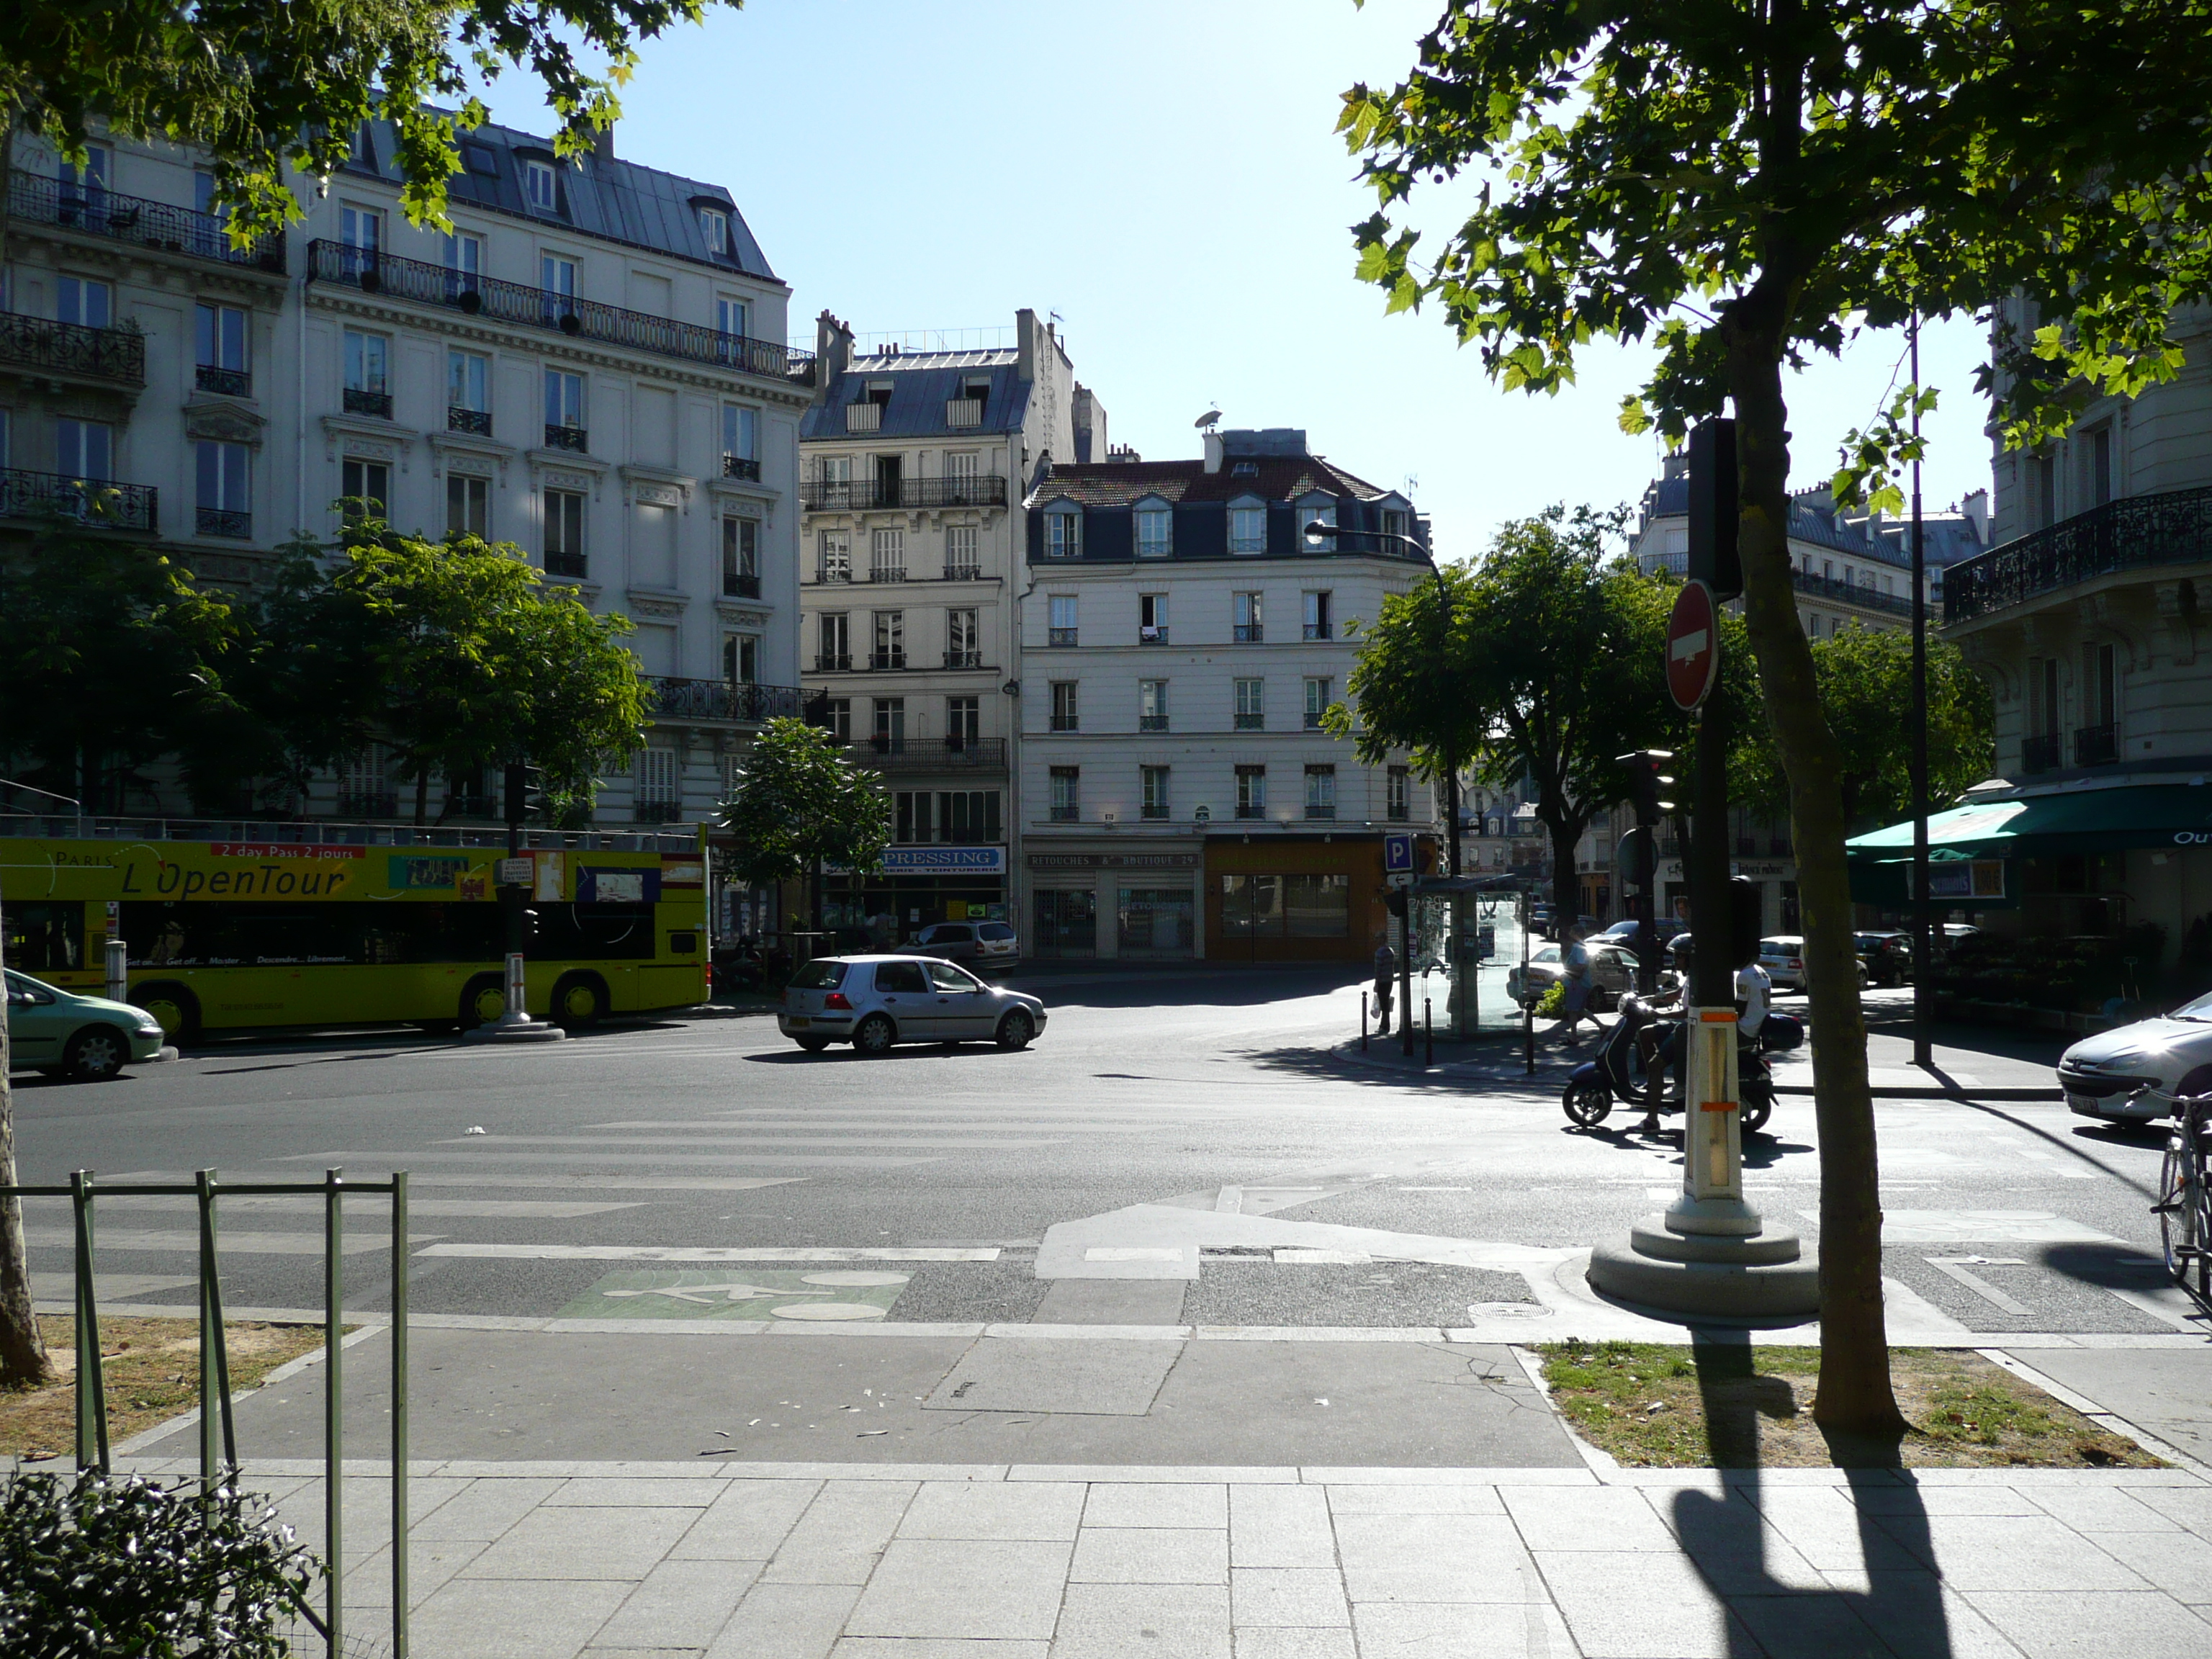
(1164, 174)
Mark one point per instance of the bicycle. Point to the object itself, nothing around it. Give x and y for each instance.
(2185, 1205)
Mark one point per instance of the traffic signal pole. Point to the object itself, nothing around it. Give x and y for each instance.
(514, 884)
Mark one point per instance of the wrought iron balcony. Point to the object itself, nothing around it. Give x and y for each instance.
(963, 659)
(359, 400)
(1321, 810)
(1065, 723)
(865, 495)
(368, 804)
(740, 584)
(226, 382)
(475, 422)
(887, 659)
(1060, 637)
(1250, 722)
(887, 573)
(532, 307)
(723, 699)
(888, 754)
(1152, 635)
(741, 466)
(33, 198)
(95, 504)
(1851, 593)
(1065, 812)
(224, 522)
(2137, 532)
(832, 662)
(99, 354)
(1313, 720)
(1152, 722)
(963, 573)
(1248, 633)
(2096, 745)
(2040, 753)
(575, 438)
(1251, 809)
(567, 564)
(1320, 631)
(657, 812)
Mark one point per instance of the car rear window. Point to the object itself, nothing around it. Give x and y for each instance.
(995, 930)
(951, 932)
(822, 975)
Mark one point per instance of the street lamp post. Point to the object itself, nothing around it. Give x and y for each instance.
(1922, 1055)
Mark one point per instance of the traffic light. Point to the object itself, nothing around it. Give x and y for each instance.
(530, 930)
(1394, 901)
(1714, 559)
(526, 794)
(1648, 782)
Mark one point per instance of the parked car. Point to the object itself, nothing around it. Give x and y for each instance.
(1783, 957)
(875, 1001)
(89, 1038)
(1613, 972)
(978, 944)
(1888, 956)
(2133, 1073)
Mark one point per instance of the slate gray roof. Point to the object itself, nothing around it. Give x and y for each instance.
(921, 384)
(1275, 479)
(1812, 518)
(615, 200)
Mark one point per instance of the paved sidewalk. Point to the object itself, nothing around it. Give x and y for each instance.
(810, 1561)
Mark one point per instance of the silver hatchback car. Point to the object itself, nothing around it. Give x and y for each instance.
(874, 1001)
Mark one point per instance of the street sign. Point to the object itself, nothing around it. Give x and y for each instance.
(1398, 854)
(514, 873)
(1693, 645)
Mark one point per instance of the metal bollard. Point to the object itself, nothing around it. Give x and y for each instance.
(1428, 1036)
(118, 971)
(1363, 1022)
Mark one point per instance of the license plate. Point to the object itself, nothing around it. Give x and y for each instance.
(797, 1020)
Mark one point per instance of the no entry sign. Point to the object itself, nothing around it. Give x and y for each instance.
(1693, 645)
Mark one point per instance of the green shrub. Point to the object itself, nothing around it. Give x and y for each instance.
(128, 1568)
(1552, 1005)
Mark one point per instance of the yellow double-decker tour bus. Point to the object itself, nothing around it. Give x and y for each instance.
(230, 926)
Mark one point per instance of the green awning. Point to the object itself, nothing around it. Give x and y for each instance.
(2066, 821)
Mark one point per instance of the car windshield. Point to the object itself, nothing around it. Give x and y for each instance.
(819, 975)
(2201, 1009)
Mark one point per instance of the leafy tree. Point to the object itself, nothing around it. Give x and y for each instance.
(1746, 181)
(1865, 677)
(798, 803)
(261, 84)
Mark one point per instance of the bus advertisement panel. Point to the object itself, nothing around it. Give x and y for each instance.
(234, 934)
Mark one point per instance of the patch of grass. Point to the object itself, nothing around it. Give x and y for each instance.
(1647, 1405)
(150, 1368)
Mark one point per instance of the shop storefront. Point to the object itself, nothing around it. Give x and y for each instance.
(918, 885)
(1776, 879)
(1296, 898)
(1112, 901)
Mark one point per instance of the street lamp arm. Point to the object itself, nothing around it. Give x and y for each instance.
(1317, 532)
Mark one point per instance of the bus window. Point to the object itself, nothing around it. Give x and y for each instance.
(593, 932)
(45, 938)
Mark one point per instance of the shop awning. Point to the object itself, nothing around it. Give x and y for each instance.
(2065, 821)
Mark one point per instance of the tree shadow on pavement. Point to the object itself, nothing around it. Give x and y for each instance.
(1797, 1609)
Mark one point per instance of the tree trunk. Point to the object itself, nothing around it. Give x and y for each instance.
(23, 1361)
(422, 794)
(1566, 895)
(1854, 1394)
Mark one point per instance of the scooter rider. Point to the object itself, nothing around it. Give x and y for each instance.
(1753, 994)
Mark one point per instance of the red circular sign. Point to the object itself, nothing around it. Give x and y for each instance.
(1693, 645)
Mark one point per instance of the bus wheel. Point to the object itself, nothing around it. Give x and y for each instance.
(578, 1001)
(483, 1001)
(174, 1009)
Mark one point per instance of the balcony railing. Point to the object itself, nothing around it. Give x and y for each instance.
(2040, 753)
(368, 804)
(475, 422)
(224, 522)
(741, 466)
(2096, 745)
(723, 699)
(1251, 722)
(962, 573)
(832, 662)
(1248, 633)
(561, 314)
(1152, 635)
(740, 584)
(91, 502)
(360, 401)
(887, 659)
(887, 573)
(1064, 812)
(888, 754)
(963, 659)
(34, 198)
(567, 564)
(2135, 533)
(864, 495)
(225, 382)
(573, 438)
(1060, 637)
(1313, 720)
(1320, 631)
(1251, 809)
(1065, 723)
(1852, 593)
(1321, 809)
(1152, 722)
(657, 812)
(102, 354)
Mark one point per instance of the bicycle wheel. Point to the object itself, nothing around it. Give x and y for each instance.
(2200, 1196)
(2177, 1211)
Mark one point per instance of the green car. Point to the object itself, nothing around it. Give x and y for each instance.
(89, 1038)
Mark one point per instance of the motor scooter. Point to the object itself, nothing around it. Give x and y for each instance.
(1596, 1085)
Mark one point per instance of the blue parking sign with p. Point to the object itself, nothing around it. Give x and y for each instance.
(1397, 854)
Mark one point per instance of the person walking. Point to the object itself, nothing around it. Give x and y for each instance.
(1386, 979)
(1575, 986)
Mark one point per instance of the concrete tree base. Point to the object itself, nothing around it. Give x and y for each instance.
(515, 1029)
(1760, 1274)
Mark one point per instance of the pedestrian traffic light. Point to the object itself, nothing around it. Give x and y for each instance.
(529, 926)
(1394, 901)
(526, 794)
(1714, 559)
(1648, 780)
(1743, 921)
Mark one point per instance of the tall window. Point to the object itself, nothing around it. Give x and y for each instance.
(741, 659)
(1318, 700)
(833, 640)
(468, 505)
(1307, 515)
(539, 186)
(468, 391)
(1152, 705)
(225, 502)
(2042, 489)
(741, 557)
(2100, 466)
(740, 440)
(963, 642)
(1320, 616)
(220, 339)
(557, 281)
(961, 470)
(1062, 630)
(1320, 792)
(2100, 678)
(715, 226)
(1251, 706)
(368, 376)
(891, 639)
(913, 818)
(564, 409)
(1064, 711)
(963, 722)
(731, 317)
(836, 560)
(1397, 795)
(361, 230)
(1063, 535)
(1067, 794)
(891, 724)
(960, 552)
(84, 301)
(1154, 781)
(658, 793)
(464, 255)
(1151, 619)
(1245, 622)
(1248, 529)
(364, 487)
(84, 449)
(564, 533)
(887, 556)
(837, 718)
(1251, 792)
(1155, 531)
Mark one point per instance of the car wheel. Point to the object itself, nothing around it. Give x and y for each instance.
(174, 1009)
(1016, 1030)
(95, 1053)
(874, 1035)
(578, 1001)
(483, 1001)
(814, 1045)
(1587, 1104)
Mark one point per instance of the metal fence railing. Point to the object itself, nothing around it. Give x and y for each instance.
(218, 1434)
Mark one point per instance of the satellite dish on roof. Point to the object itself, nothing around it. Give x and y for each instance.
(1210, 418)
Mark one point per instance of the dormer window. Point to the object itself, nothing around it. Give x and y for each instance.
(1063, 531)
(539, 186)
(1248, 525)
(1245, 470)
(715, 226)
(479, 159)
(1315, 510)
(1155, 529)
(364, 150)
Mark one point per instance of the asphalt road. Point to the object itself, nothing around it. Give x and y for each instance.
(535, 1169)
